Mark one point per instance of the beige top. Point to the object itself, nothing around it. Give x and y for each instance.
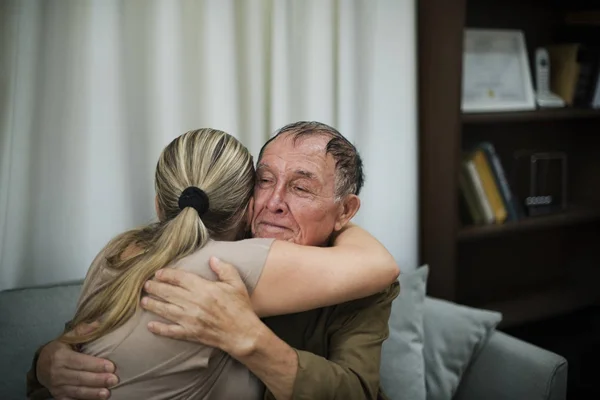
(154, 367)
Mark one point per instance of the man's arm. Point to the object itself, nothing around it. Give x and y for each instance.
(220, 314)
(274, 362)
(351, 369)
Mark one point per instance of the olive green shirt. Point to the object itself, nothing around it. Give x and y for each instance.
(339, 349)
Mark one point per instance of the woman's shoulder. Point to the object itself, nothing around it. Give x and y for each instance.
(241, 252)
(248, 256)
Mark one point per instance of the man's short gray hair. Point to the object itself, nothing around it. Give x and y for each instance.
(349, 176)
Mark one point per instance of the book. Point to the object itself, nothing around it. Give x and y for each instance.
(490, 187)
(469, 196)
(574, 72)
(510, 202)
(482, 199)
(564, 70)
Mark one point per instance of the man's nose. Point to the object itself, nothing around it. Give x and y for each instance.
(276, 203)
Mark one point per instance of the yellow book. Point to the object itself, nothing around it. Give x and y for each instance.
(490, 186)
(564, 70)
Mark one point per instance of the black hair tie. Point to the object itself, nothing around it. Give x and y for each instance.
(194, 197)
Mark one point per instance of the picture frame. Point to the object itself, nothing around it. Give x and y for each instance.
(496, 72)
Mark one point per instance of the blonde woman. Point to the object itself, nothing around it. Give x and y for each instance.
(204, 181)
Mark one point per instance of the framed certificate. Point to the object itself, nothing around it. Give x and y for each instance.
(496, 73)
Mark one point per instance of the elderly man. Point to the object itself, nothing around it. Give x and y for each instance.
(307, 176)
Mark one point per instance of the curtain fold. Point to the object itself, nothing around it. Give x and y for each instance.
(92, 90)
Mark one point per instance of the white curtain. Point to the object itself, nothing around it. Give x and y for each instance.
(92, 90)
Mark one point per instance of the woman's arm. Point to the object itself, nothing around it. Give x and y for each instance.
(297, 278)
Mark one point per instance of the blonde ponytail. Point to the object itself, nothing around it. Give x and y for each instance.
(207, 159)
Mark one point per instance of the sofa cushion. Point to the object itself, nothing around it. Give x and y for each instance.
(453, 335)
(30, 318)
(402, 364)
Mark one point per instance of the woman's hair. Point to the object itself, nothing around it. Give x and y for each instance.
(207, 159)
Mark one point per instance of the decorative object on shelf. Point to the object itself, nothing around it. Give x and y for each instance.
(496, 73)
(548, 182)
(540, 181)
(543, 95)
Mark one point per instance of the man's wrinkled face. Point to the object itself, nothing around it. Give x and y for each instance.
(294, 196)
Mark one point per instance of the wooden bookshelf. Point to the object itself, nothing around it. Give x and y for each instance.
(524, 269)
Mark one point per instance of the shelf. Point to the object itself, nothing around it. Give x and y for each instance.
(554, 114)
(544, 303)
(573, 216)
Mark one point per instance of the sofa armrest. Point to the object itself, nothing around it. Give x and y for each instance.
(510, 369)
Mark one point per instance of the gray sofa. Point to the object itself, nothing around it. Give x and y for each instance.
(505, 368)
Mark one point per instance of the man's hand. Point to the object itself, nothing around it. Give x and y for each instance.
(218, 314)
(71, 375)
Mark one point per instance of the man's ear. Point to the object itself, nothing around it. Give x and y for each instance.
(348, 208)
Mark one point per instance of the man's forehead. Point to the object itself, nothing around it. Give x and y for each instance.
(304, 168)
(297, 148)
(306, 153)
